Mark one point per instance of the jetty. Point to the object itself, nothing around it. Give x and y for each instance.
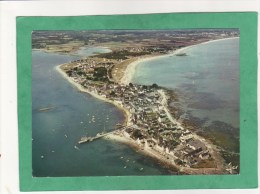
(86, 139)
(90, 139)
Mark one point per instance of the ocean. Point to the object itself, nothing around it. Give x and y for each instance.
(206, 82)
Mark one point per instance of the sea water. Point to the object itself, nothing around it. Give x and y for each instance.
(206, 80)
(72, 114)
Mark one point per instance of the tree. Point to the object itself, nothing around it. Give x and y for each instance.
(144, 87)
(100, 72)
(137, 134)
(112, 93)
(155, 85)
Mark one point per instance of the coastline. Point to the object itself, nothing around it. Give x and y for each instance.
(160, 156)
(165, 159)
(82, 89)
(126, 79)
(119, 137)
(131, 67)
(129, 71)
(130, 142)
(216, 40)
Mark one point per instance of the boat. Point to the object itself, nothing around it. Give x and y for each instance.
(46, 108)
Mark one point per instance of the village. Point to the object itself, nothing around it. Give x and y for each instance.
(149, 122)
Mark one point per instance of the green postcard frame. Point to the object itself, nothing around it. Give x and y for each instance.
(246, 22)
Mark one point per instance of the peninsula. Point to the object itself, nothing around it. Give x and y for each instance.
(149, 124)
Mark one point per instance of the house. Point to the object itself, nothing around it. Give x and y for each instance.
(204, 155)
(195, 144)
(162, 118)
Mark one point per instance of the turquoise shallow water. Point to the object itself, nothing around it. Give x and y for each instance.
(55, 133)
(207, 80)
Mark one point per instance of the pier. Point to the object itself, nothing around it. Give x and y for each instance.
(90, 139)
(100, 135)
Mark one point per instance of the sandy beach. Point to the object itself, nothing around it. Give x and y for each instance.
(129, 69)
(166, 159)
(145, 151)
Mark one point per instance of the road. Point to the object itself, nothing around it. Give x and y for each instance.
(164, 103)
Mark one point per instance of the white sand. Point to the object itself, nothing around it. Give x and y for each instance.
(160, 156)
(164, 158)
(130, 70)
